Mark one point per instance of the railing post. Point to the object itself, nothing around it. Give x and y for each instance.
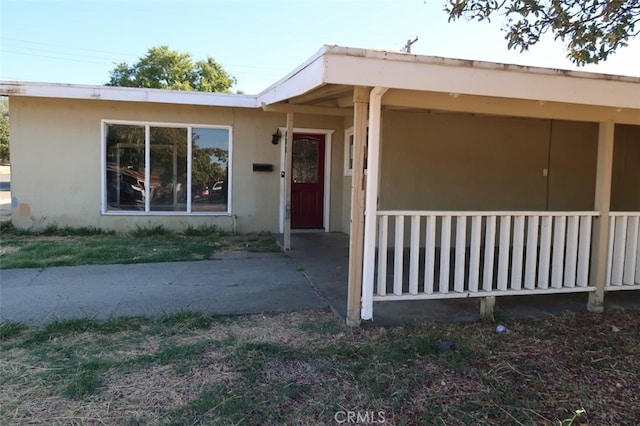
(601, 224)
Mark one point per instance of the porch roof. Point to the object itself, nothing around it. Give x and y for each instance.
(345, 67)
(327, 79)
(417, 82)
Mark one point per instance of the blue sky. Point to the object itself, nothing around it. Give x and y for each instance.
(256, 41)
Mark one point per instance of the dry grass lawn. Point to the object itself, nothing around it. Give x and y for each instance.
(308, 368)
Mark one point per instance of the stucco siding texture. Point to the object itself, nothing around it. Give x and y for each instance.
(625, 180)
(56, 156)
(438, 161)
(429, 161)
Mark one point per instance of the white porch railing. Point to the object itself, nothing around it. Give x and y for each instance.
(623, 267)
(436, 255)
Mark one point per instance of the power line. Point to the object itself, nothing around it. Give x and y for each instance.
(39, 43)
(60, 52)
(60, 58)
(26, 47)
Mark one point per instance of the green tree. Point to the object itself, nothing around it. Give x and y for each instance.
(162, 68)
(592, 29)
(4, 128)
(206, 170)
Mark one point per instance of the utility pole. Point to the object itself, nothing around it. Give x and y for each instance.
(407, 47)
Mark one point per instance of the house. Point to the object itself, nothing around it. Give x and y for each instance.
(481, 179)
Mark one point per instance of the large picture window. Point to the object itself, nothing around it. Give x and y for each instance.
(152, 168)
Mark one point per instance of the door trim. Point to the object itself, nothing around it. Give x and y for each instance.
(327, 174)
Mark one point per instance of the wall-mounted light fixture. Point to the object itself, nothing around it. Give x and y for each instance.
(275, 138)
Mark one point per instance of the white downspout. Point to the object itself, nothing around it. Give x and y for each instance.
(371, 201)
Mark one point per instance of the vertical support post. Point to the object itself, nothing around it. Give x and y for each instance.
(356, 229)
(147, 168)
(287, 181)
(487, 305)
(371, 201)
(601, 224)
(174, 177)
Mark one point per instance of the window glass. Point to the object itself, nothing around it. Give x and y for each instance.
(168, 169)
(172, 180)
(305, 160)
(125, 167)
(348, 152)
(209, 169)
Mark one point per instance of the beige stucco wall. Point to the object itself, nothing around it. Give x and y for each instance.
(346, 202)
(625, 185)
(466, 162)
(573, 156)
(462, 162)
(443, 161)
(436, 161)
(56, 159)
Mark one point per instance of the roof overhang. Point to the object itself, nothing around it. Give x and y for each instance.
(326, 82)
(124, 94)
(345, 66)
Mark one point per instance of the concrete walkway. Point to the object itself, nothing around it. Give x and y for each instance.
(241, 283)
(311, 275)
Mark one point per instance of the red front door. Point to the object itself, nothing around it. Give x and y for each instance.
(307, 181)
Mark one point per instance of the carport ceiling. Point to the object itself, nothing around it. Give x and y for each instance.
(339, 97)
(328, 95)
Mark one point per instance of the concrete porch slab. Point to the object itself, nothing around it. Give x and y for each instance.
(323, 259)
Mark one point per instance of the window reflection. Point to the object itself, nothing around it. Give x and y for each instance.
(209, 169)
(305, 160)
(167, 185)
(349, 155)
(168, 165)
(125, 167)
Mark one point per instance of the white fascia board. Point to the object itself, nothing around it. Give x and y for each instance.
(303, 79)
(125, 94)
(424, 73)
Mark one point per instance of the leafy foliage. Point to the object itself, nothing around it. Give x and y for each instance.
(593, 29)
(4, 128)
(162, 68)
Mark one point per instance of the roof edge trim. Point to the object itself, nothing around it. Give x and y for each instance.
(126, 94)
(471, 63)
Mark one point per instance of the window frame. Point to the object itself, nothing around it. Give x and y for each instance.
(147, 125)
(349, 142)
(349, 135)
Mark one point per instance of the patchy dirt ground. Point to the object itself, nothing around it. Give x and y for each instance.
(308, 368)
